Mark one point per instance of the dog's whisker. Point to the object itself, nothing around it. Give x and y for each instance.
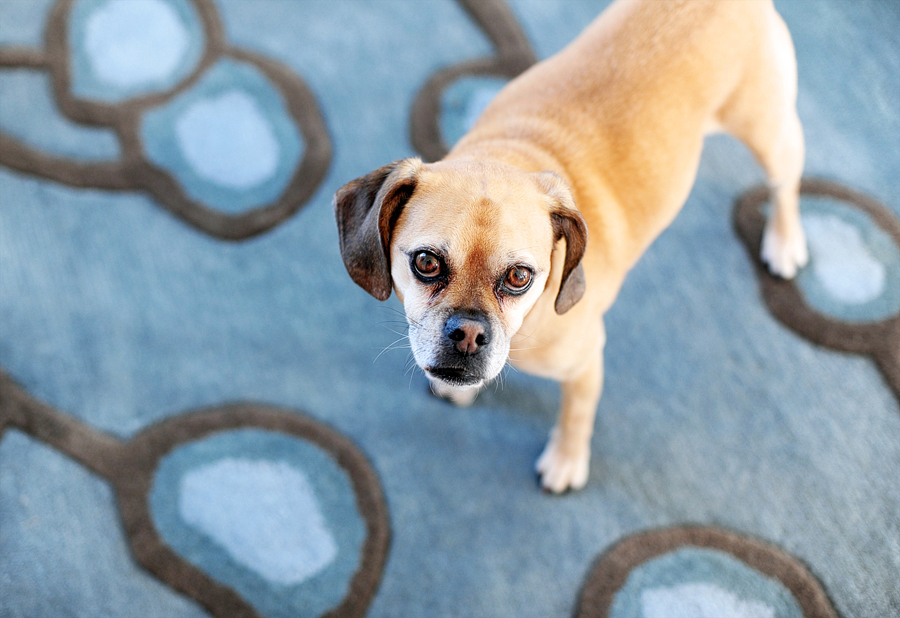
(406, 319)
(498, 383)
(403, 322)
(399, 333)
(394, 309)
(521, 335)
(536, 347)
(412, 374)
(397, 345)
(393, 346)
(410, 365)
(400, 337)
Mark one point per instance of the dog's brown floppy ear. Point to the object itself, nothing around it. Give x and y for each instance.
(569, 224)
(366, 210)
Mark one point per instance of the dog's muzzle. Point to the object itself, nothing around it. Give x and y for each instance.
(462, 355)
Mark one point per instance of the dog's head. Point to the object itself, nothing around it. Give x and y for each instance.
(467, 247)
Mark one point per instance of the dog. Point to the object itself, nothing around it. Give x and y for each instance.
(513, 246)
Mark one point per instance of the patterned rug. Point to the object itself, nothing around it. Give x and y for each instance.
(201, 414)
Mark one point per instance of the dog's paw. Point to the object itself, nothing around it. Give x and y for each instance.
(459, 396)
(562, 469)
(784, 254)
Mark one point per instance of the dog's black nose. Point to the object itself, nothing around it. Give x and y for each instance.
(468, 333)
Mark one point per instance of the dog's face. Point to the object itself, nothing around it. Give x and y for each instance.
(467, 248)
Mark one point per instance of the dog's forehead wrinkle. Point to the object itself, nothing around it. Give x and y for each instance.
(504, 193)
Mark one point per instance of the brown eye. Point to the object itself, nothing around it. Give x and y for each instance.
(518, 278)
(427, 265)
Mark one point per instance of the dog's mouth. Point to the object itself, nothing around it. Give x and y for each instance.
(454, 375)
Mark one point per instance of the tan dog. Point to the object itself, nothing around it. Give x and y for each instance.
(488, 249)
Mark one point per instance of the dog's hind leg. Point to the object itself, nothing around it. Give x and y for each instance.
(762, 112)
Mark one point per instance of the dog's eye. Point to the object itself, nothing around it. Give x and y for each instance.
(427, 264)
(518, 278)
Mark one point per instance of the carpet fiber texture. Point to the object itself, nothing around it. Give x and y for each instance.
(202, 415)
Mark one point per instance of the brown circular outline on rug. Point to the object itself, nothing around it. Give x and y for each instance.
(611, 570)
(880, 339)
(129, 466)
(133, 171)
(514, 54)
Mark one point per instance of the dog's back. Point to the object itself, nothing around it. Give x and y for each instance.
(621, 112)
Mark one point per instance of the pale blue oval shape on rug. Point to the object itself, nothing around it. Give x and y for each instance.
(699, 601)
(268, 514)
(265, 514)
(854, 267)
(126, 48)
(695, 582)
(842, 262)
(229, 140)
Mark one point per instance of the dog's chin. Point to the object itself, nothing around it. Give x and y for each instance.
(455, 377)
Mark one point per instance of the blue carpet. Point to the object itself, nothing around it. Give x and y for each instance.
(202, 415)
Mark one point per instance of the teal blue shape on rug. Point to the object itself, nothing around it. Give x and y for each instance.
(27, 93)
(270, 515)
(121, 49)
(462, 103)
(694, 582)
(854, 268)
(229, 140)
(59, 522)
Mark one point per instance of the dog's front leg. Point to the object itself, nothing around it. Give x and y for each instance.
(566, 458)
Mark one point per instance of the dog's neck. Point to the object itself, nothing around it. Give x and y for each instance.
(525, 154)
